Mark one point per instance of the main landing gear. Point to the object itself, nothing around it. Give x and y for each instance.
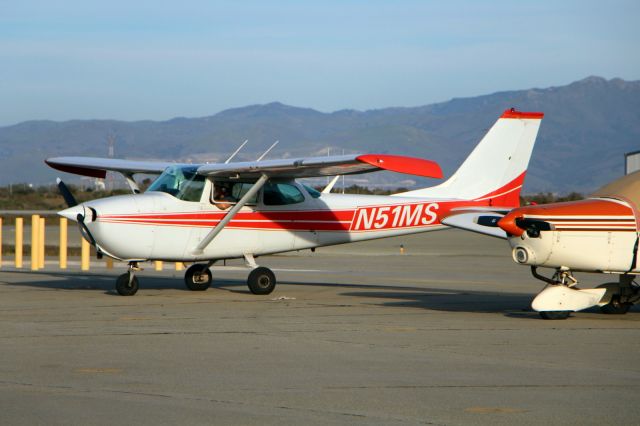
(198, 277)
(562, 296)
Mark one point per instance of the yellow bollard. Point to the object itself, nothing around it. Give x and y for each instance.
(63, 243)
(85, 252)
(19, 230)
(42, 245)
(0, 242)
(179, 266)
(35, 240)
(109, 262)
(159, 265)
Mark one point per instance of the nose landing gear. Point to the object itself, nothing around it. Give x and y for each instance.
(127, 283)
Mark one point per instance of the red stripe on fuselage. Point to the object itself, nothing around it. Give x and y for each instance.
(382, 217)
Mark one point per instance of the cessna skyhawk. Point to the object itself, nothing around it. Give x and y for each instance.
(204, 213)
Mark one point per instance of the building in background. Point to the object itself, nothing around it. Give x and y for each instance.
(631, 162)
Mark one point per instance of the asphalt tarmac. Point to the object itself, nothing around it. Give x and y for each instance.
(353, 334)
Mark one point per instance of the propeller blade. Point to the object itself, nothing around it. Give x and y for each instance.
(84, 231)
(66, 193)
(540, 225)
(491, 221)
(533, 226)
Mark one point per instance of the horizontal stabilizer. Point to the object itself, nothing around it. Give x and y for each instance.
(481, 223)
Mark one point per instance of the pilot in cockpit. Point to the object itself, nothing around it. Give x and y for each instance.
(222, 196)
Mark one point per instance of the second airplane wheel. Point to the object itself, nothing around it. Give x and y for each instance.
(126, 285)
(261, 280)
(555, 315)
(615, 307)
(197, 277)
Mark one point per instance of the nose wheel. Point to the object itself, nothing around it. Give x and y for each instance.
(127, 283)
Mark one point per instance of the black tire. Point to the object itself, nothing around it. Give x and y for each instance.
(615, 307)
(261, 280)
(555, 315)
(125, 286)
(198, 277)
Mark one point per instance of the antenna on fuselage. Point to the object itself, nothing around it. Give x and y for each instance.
(267, 151)
(236, 151)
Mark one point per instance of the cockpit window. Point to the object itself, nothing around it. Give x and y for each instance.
(183, 182)
(279, 194)
(225, 194)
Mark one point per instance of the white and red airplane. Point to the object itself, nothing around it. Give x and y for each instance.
(209, 212)
(598, 234)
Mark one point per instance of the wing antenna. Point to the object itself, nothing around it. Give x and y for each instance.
(267, 151)
(236, 151)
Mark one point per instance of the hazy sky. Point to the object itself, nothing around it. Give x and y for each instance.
(155, 60)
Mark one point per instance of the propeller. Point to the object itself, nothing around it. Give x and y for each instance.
(66, 193)
(72, 202)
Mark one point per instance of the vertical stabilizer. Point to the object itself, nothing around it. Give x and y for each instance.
(494, 171)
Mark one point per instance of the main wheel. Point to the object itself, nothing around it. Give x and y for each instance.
(197, 277)
(261, 280)
(555, 315)
(127, 284)
(615, 307)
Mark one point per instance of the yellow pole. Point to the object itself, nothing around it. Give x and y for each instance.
(35, 240)
(19, 229)
(159, 265)
(179, 266)
(109, 263)
(42, 243)
(63, 243)
(84, 255)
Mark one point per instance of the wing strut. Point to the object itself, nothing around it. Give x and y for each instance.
(227, 218)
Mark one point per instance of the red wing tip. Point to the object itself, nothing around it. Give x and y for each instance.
(403, 164)
(513, 113)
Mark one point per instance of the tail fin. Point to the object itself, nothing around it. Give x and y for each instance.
(494, 172)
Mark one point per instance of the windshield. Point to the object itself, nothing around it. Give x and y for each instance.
(182, 182)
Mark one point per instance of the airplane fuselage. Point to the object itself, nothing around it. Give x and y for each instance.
(158, 226)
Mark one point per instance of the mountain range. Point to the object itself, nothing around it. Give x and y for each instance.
(588, 126)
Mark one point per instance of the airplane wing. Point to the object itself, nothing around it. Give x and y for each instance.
(323, 166)
(98, 167)
(284, 168)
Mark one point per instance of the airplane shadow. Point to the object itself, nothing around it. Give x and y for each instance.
(106, 283)
(516, 305)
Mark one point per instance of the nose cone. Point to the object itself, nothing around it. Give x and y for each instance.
(72, 212)
(508, 223)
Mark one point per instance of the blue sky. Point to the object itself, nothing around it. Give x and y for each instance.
(156, 60)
